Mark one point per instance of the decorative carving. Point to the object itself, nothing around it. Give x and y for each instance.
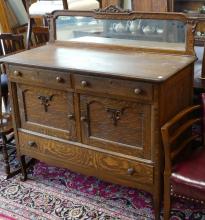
(115, 114)
(194, 23)
(112, 9)
(45, 101)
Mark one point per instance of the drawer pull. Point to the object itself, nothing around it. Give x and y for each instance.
(59, 79)
(130, 171)
(84, 83)
(83, 118)
(71, 116)
(137, 91)
(17, 73)
(32, 144)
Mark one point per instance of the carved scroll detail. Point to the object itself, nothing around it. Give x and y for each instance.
(45, 101)
(115, 114)
(112, 9)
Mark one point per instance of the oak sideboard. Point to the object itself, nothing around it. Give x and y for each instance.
(94, 98)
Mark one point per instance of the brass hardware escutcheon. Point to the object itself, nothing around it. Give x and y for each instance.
(115, 115)
(45, 101)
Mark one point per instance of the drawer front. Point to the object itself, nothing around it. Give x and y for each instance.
(87, 161)
(47, 111)
(109, 86)
(46, 77)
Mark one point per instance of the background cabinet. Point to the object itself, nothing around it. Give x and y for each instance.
(151, 5)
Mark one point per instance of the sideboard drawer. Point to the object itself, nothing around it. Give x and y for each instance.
(119, 87)
(78, 158)
(46, 77)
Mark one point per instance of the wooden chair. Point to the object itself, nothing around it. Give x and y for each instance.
(40, 34)
(184, 173)
(10, 43)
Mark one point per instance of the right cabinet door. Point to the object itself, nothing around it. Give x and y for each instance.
(116, 125)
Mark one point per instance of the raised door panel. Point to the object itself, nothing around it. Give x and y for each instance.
(47, 111)
(116, 125)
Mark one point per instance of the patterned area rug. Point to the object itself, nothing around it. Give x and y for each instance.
(55, 193)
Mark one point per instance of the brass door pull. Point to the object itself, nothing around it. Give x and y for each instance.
(130, 171)
(84, 83)
(32, 144)
(71, 116)
(59, 79)
(137, 91)
(83, 118)
(17, 73)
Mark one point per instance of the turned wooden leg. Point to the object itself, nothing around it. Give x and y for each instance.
(5, 155)
(167, 198)
(23, 168)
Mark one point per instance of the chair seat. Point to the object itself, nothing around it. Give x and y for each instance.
(188, 177)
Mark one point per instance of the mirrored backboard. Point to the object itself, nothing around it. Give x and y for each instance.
(151, 33)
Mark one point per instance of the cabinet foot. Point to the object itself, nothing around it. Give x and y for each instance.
(23, 168)
(157, 206)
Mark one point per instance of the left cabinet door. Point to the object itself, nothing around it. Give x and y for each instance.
(47, 111)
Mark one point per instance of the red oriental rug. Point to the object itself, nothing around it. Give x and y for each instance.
(55, 193)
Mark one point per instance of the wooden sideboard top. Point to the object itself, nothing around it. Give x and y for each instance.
(131, 64)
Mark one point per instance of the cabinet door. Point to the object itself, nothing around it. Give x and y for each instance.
(116, 125)
(47, 111)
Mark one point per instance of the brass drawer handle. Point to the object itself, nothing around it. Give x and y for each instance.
(71, 116)
(59, 79)
(32, 144)
(130, 171)
(83, 118)
(137, 91)
(84, 83)
(17, 73)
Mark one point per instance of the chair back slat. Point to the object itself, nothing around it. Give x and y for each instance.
(11, 43)
(177, 134)
(184, 127)
(183, 145)
(41, 35)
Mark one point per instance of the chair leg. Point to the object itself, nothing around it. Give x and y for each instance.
(23, 168)
(5, 154)
(167, 198)
(8, 172)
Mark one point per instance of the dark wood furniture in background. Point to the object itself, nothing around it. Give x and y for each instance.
(106, 3)
(151, 5)
(184, 175)
(10, 43)
(87, 107)
(41, 35)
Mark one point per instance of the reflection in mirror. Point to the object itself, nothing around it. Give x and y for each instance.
(164, 34)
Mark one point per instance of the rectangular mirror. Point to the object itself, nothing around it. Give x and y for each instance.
(150, 33)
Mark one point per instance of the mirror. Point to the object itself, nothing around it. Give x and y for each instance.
(151, 33)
